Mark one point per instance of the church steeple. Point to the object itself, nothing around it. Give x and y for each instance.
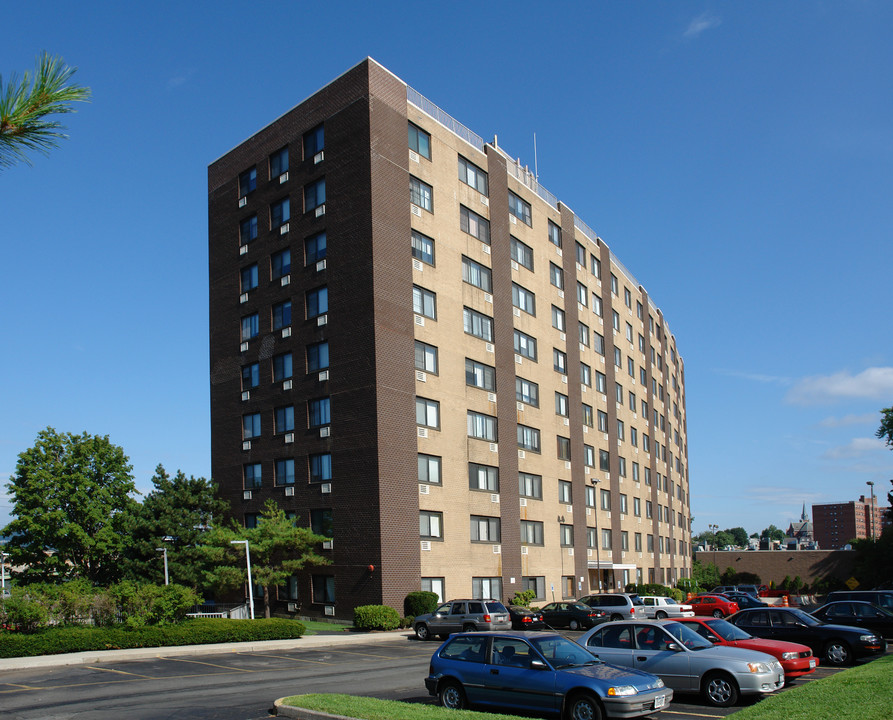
(803, 516)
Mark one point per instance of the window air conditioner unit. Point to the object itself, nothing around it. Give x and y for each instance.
(485, 248)
(324, 375)
(417, 265)
(561, 292)
(489, 347)
(569, 508)
(283, 229)
(515, 311)
(515, 265)
(513, 220)
(325, 488)
(521, 454)
(243, 298)
(243, 201)
(286, 279)
(289, 437)
(589, 552)
(321, 265)
(329, 610)
(292, 607)
(325, 431)
(286, 384)
(518, 359)
(488, 298)
(414, 156)
(416, 210)
(523, 502)
(570, 552)
(243, 249)
(283, 178)
(524, 550)
(322, 320)
(494, 497)
(485, 200)
(243, 347)
(424, 489)
(421, 376)
(286, 332)
(321, 210)
(246, 394)
(422, 432)
(419, 320)
(494, 447)
(497, 549)
(326, 544)
(246, 445)
(290, 491)
(246, 495)
(491, 397)
(319, 157)
(426, 545)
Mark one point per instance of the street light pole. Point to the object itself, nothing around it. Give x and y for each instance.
(714, 528)
(250, 585)
(166, 578)
(3, 557)
(598, 540)
(871, 527)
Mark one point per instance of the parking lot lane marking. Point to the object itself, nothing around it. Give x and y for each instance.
(121, 672)
(372, 655)
(285, 657)
(689, 714)
(15, 687)
(199, 662)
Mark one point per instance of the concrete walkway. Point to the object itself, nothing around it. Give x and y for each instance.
(100, 656)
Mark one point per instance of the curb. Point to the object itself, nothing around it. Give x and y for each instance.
(299, 713)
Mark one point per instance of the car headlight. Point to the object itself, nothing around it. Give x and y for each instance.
(789, 656)
(868, 638)
(758, 667)
(621, 690)
(659, 683)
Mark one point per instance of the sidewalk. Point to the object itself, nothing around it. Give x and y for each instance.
(100, 656)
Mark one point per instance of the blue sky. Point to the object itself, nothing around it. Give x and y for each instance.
(737, 157)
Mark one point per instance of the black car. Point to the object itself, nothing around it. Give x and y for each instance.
(745, 600)
(573, 615)
(837, 644)
(858, 614)
(525, 619)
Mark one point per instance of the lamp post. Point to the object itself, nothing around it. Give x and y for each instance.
(167, 580)
(714, 528)
(3, 556)
(598, 540)
(870, 484)
(250, 585)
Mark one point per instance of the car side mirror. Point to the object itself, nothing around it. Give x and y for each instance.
(538, 665)
(713, 638)
(675, 647)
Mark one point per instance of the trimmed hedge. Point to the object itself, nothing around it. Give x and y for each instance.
(419, 602)
(375, 617)
(196, 631)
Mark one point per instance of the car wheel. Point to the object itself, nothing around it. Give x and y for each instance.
(582, 706)
(837, 652)
(451, 695)
(468, 627)
(573, 624)
(422, 632)
(617, 617)
(717, 613)
(660, 615)
(720, 690)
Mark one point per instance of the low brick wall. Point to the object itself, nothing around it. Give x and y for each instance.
(774, 565)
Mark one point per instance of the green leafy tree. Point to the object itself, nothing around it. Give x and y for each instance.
(26, 107)
(885, 433)
(739, 536)
(772, 533)
(175, 516)
(279, 549)
(705, 575)
(71, 497)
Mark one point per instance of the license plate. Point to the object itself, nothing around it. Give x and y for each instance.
(812, 664)
(660, 701)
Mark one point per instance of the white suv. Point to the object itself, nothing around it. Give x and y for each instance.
(658, 608)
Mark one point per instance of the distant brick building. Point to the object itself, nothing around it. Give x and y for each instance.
(836, 524)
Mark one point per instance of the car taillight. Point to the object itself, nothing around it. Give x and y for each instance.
(486, 618)
(632, 610)
(526, 619)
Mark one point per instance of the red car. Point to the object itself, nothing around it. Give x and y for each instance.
(795, 659)
(716, 605)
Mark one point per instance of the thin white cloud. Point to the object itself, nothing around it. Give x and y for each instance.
(703, 22)
(775, 495)
(180, 79)
(857, 447)
(847, 420)
(872, 383)
(757, 377)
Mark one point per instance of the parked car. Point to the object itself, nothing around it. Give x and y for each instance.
(796, 659)
(857, 614)
(835, 644)
(716, 605)
(572, 615)
(664, 607)
(525, 619)
(881, 598)
(684, 660)
(462, 615)
(539, 672)
(720, 589)
(744, 600)
(751, 590)
(618, 606)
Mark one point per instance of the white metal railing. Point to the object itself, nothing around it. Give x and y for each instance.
(585, 229)
(445, 119)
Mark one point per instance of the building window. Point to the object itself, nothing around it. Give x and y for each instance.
(636, 472)
(528, 438)
(248, 230)
(250, 376)
(282, 367)
(323, 588)
(556, 276)
(320, 467)
(647, 474)
(613, 284)
(595, 266)
(473, 224)
(422, 247)
(250, 426)
(618, 357)
(566, 535)
(537, 584)
(429, 469)
(247, 181)
(485, 529)
(421, 194)
(634, 436)
(435, 585)
(480, 375)
(559, 361)
(650, 543)
(621, 430)
(523, 299)
(604, 460)
(606, 539)
(282, 315)
(285, 472)
(315, 248)
(564, 448)
(637, 539)
(425, 357)
(431, 525)
(531, 532)
(564, 492)
(248, 278)
(527, 392)
(427, 413)
(627, 298)
(250, 520)
(317, 356)
(477, 324)
(280, 213)
(624, 540)
(314, 141)
(280, 264)
(597, 304)
(585, 374)
(624, 504)
(588, 415)
(419, 141)
(621, 466)
(319, 412)
(590, 537)
(522, 254)
(598, 343)
(581, 255)
(525, 345)
(602, 421)
(476, 274)
(561, 404)
(618, 393)
(520, 209)
(649, 509)
(558, 321)
(582, 294)
(483, 477)
(584, 334)
(530, 486)
(314, 194)
(317, 302)
(482, 427)
(424, 302)
(284, 419)
(472, 175)
(486, 587)
(251, 474)
(278, 163)
(250, 327)
(554, 234)
(321, 522)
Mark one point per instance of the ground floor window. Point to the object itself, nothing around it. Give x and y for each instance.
(486, 587)
(323, 588)
(435, 585)
(535, 583)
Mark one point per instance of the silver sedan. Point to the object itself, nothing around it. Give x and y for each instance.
(684, 660)
(659, 608)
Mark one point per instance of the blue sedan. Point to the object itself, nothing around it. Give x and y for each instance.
(539, 672)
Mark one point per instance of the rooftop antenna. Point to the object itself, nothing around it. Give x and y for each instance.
(536, 172)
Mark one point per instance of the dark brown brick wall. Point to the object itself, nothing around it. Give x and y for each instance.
(775, 565)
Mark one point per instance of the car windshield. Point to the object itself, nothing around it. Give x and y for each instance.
(579, 606)
(687, 636)
(727, 631)
(563, 653)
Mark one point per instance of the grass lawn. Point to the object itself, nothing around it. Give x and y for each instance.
(315, 626)
(860, 693)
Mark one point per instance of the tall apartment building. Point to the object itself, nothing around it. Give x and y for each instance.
(836, 524)
(425, 356)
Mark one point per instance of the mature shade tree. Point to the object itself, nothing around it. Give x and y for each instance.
(885, 433)
(279, 549)
(25, 108)
(175, 515)
(71, 496)
(772, 533)
(739, 536)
